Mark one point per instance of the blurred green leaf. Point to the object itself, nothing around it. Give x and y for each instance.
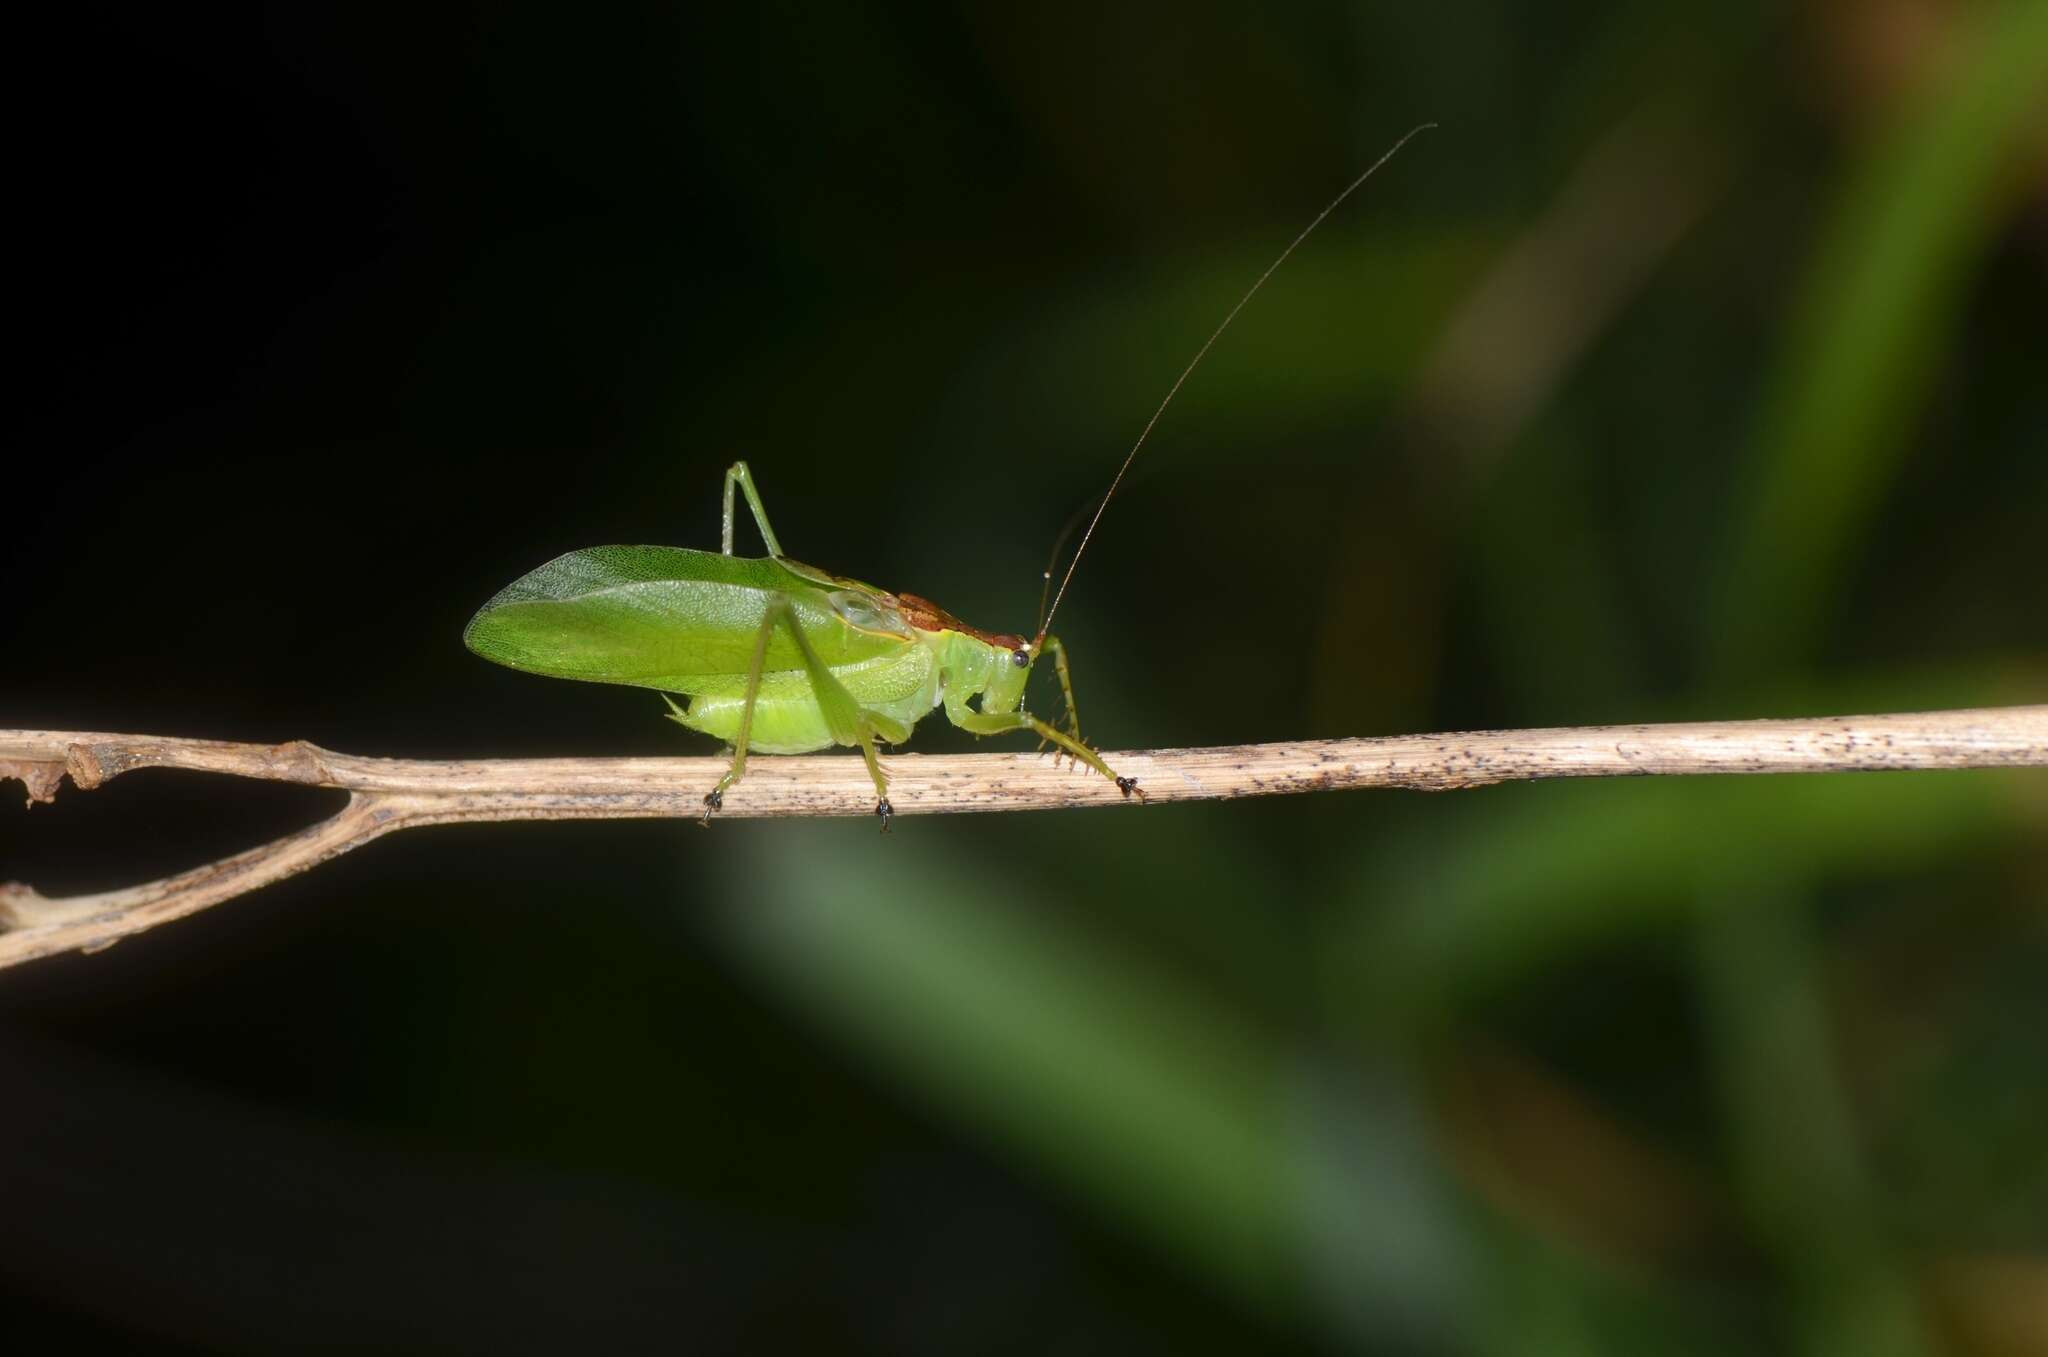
(1168, 1111)
(1869, 332)
(1797, 1164)
(1228, 1145)
(1521, 877)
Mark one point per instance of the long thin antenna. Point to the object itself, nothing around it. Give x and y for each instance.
(1052, 560)
(1196, 362)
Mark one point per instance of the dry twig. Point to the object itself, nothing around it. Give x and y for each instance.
(391, 794)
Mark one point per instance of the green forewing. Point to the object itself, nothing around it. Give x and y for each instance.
(675, 619)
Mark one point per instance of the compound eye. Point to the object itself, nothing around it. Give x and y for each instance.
(1021, 657)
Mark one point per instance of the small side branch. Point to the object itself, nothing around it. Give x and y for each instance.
(391, 794)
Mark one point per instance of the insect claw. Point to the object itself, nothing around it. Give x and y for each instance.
(885, 810)
(1129, 787)
(714, 800)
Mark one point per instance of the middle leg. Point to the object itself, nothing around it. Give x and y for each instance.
(843, 715)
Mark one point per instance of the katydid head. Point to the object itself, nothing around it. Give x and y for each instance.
(996, 664)
(1046, 613)
(1009, 674)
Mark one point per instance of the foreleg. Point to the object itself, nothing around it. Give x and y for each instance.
(997, 723)
(1066, 677)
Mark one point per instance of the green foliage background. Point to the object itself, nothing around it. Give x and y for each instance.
(1693, 368)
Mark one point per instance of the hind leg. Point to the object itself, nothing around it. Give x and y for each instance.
(715, 798)
(738, 474)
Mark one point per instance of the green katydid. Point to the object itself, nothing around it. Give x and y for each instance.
(778, 657)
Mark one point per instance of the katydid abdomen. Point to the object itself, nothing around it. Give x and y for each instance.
(894, 690)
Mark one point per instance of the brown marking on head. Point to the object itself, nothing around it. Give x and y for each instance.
(926, 615)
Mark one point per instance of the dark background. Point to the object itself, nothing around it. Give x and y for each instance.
(1692, 368)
